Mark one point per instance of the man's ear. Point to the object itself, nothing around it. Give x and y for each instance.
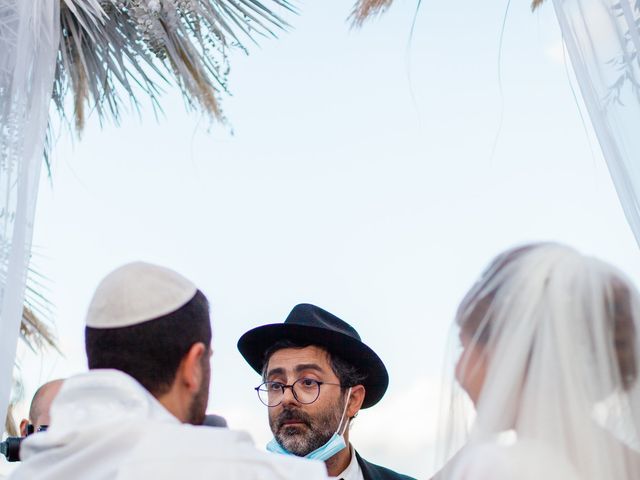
(355, 402)
(191, 371)
(23, 427)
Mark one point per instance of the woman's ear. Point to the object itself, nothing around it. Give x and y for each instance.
(355, 401)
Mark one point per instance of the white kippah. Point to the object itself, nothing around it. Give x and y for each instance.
(136, 293)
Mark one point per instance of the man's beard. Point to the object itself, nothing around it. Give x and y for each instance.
(300, 440)
(198, 407)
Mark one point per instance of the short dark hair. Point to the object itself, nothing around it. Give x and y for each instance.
(151, 351)
(348, 374)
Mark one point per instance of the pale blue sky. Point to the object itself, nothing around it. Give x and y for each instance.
(359, 177)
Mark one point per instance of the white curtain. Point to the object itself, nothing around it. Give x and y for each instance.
(29, 36)
(603, 41)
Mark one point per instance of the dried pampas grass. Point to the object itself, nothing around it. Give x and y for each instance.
(535, 4)
(365, 9)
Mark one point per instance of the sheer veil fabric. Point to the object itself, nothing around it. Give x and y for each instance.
(29, 36)
(603, 41)
(558, 336)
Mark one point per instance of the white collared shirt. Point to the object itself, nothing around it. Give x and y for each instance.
(353, 471)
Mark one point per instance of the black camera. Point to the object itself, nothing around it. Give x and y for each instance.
(10, 448)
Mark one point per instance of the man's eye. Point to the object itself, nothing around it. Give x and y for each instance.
(307, 382)
(275, 386)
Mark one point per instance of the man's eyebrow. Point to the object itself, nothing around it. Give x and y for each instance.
(298, 368)
(275, 371)
(309, 366)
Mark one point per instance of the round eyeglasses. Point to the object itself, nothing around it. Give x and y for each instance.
(305, 391)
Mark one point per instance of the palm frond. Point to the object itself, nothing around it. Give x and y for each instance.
(36, 332)
(10, 422)
(110, 48)
(37, 326)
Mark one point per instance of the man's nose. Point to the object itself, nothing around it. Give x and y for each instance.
(288, 397)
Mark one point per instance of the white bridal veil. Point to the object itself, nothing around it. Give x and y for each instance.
(558, 336)
(29, 39)
(603, 41)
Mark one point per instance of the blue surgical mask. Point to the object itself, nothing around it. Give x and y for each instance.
(334, 445)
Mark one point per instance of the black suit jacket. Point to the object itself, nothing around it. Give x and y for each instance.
(375, 472)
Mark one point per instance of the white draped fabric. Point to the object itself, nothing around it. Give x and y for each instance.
(603, 41)
(105, 425)
(29, 33)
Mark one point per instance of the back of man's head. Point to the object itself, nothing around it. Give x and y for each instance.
(143, 320)
(40, 406)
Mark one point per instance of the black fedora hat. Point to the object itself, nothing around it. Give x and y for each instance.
(311, 325)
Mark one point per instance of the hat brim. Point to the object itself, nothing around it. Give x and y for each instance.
(254, 344)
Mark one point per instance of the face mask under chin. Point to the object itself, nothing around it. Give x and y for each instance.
(335, 444)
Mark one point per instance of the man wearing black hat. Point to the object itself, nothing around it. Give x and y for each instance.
(317, 374)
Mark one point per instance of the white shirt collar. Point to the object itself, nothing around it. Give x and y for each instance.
(353, 471)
